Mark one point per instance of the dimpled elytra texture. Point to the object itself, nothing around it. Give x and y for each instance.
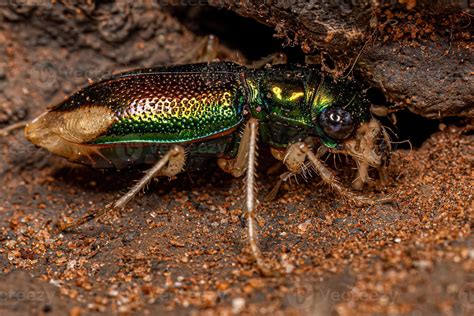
(165, 107)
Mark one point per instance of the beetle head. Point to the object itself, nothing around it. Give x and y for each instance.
(344, 123)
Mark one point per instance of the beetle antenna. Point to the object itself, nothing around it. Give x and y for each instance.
(358, 55)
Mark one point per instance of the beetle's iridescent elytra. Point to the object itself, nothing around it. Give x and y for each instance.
(179, 117)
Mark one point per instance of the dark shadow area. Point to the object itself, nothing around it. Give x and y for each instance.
(255, 40)
(407, 129)
(377, 97)
(414, 128)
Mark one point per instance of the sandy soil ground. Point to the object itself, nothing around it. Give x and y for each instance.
(180, 248)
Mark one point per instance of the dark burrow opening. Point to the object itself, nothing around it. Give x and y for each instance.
(253, 39)
(410, 130)
(407, 129)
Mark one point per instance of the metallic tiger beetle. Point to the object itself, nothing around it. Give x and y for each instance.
(179, 117)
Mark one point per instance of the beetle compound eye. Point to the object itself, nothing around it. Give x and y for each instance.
(337, 123)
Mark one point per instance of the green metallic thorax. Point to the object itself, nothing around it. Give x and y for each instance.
(287, 99)
(279, 98)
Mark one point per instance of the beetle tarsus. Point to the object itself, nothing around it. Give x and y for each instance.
(295, 158)
(328, 177)
(169, 165)
(250, 200)
(276, 188)
(245, 162)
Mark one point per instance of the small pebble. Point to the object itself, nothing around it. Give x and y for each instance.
(238, 305)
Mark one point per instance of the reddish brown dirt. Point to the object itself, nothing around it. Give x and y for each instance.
(180, 248)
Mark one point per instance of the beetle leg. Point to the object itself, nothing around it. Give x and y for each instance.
(296, 166)
(365, 150)
(237, 166)
(270, 196)
(272, 59)
(362, 175)
(169, 165)
(299, 152)
(245, 161)
(250, 196)
(329, 177)
(205, 51)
